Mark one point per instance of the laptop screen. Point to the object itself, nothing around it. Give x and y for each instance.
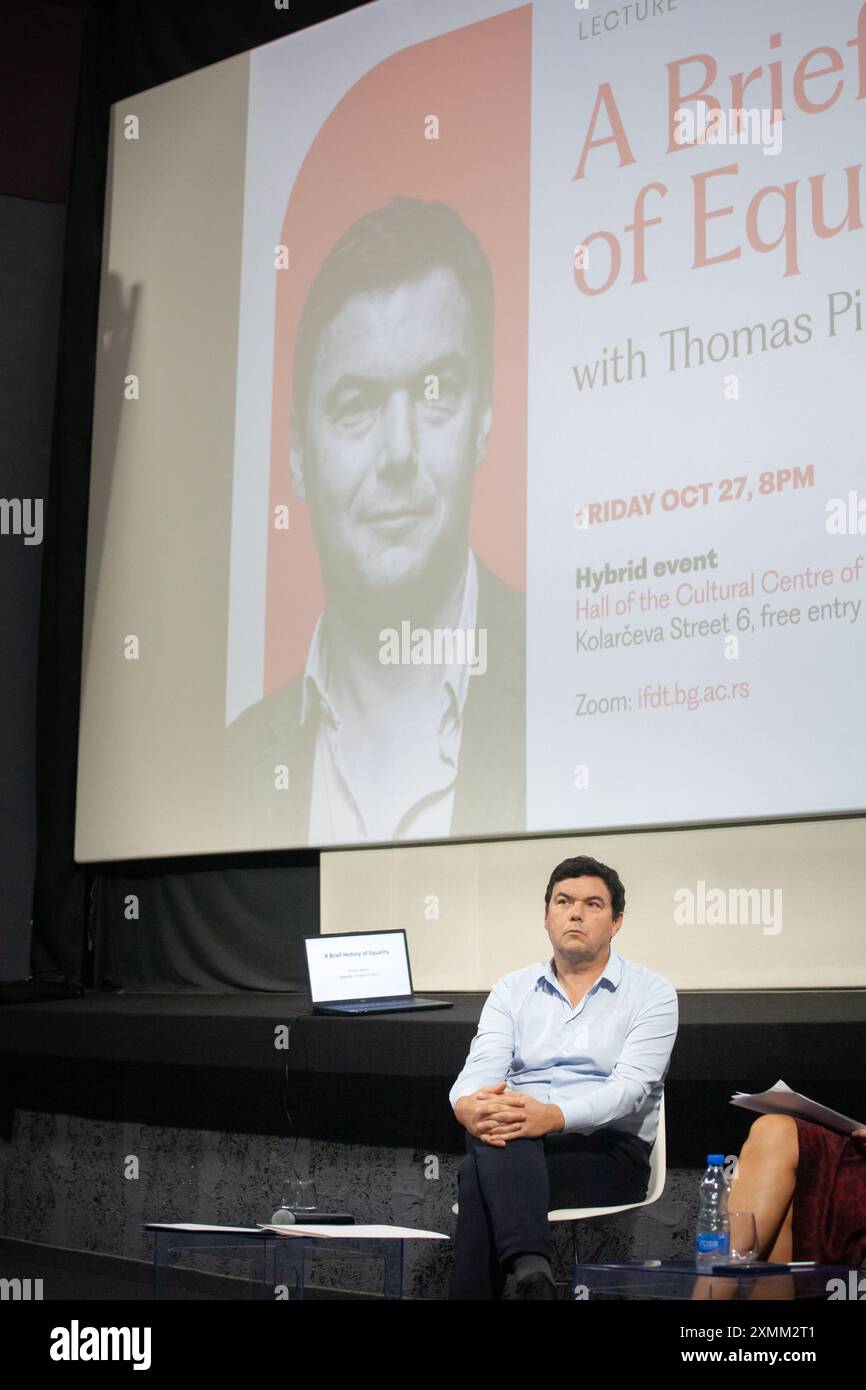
(359, 965)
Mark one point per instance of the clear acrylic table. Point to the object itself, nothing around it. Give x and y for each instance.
(284, 1262)
(680, 1279)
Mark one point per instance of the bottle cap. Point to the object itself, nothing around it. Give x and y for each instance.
(715, 1160)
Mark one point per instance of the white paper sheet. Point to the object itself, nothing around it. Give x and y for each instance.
(193, 1226)
(781, 1100)
(357, 1232)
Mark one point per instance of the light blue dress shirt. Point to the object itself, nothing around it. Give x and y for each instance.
(603, 1063)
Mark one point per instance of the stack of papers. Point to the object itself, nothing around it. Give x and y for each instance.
(195, 1226)
(326, 1232)
(781, 1100)
(357, 1232)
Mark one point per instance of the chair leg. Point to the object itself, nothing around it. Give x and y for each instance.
(575, 1255)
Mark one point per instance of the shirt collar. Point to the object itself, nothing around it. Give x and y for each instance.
(612, 973)
(455, 681)
(315, 680)
(458, 673)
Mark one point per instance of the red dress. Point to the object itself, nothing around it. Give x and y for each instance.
(829, 1218)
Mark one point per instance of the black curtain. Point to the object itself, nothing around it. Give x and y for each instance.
(204, 925)
(31, 245)
(130, 45)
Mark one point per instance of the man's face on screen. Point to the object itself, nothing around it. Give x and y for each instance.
(395, 430)
(579, 919)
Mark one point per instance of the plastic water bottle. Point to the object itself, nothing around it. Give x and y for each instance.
(713, 1237)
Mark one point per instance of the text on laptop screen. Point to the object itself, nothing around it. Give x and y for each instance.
(371, 965)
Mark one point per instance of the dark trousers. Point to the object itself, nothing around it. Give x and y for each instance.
(504, 1195)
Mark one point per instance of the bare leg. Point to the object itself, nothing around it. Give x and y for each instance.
(764, 1185)
(765, 1182)
(779, 1286)
(782, 1251)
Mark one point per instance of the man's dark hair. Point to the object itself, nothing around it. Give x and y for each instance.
(400, 241)
(585, 867)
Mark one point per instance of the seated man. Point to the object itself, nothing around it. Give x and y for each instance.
(561, 1089)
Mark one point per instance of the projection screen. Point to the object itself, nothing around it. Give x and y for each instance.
(478, 432)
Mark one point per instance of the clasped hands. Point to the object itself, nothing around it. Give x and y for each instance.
(495, 1115)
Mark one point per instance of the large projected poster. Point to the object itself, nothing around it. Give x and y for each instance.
(383, 631)
(538, 492)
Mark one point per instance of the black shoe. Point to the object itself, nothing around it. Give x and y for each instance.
(532, 1286)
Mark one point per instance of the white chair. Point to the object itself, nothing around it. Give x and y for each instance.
(658, 1173)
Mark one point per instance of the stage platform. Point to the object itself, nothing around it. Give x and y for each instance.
(261, 1064)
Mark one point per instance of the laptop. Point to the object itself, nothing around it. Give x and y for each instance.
(363, 973)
